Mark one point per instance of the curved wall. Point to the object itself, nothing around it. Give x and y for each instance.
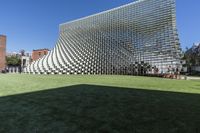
(126, 40)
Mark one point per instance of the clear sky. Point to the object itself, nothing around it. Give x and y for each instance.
(33, 24)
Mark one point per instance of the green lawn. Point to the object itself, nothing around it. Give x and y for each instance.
(98, 104)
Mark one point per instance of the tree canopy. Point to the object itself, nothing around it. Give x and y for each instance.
(13, 61)
(192, 55)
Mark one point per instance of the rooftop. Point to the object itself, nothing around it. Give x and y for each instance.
(2, 35)
(41, 49)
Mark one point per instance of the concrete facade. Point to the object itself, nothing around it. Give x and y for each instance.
(2, 52)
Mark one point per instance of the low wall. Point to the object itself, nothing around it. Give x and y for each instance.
(13, 69)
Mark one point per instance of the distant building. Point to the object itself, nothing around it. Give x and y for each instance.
(39, 53)
(2, 52)
(25, 60)
(16, 54)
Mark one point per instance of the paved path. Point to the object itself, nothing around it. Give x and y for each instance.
(193, 78)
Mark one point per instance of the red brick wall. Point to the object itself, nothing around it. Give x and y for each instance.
(36, 54)
(2, 52)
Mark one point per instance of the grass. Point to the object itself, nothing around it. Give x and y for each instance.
(102, 104)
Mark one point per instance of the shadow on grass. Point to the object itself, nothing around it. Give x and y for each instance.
(102, 109)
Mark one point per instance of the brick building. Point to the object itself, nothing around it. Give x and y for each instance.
(2, 52)
(39, 53)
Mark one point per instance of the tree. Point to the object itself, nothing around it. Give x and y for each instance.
(13, 61)
(192, 56)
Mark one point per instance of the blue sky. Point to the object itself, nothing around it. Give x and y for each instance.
(33, 24)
